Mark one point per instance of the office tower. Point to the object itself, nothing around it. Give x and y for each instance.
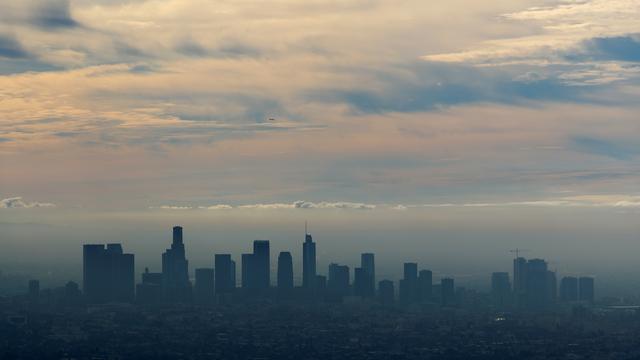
(175, 270)
(261, 264)
(34, 290)
(447, 291)
(149, 291)
(367, 263)
(285, 272)
(308, 261)
(519, 280)
(409, 284)
(338, 282)
(537, 284)
(386, 292)
(411, 271)
(569, 289)
(248, 273)
(425, 284)
(205, 286)
(108, 274)
(586, 289)
(360, 282)
(500, 289)
(224, 274)
(552, 287)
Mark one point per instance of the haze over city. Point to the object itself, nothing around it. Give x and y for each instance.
(442, 133)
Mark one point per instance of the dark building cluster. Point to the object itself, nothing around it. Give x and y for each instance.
(344, 315)
(109, 277)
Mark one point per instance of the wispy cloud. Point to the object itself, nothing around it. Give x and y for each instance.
(17, 202)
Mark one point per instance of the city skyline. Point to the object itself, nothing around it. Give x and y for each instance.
(532, 284)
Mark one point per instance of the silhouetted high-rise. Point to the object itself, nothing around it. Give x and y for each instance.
(448, 291)
(149, 291)
(247, 265)
(519, 280)
(338, 282)
(425, 285)
(261, 263)
(360, 282)
(586, 289)
(386, 292)
(409, 284)
(537, 293)
(308, 261)
(285, 272)
(205, 286)
(368, 265)
(108, 274)
(175, 270)
(224, 274)
(569, 288)
(500, 289)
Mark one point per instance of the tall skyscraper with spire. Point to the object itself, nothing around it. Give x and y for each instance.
(175, 270)
(308, 260)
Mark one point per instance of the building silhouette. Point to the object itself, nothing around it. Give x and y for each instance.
(425, 285)
(586, 289)
(225, 274)
(149, 291)
(501, 289)
(247, 281)
(175, 270)
(386, 292)
(569, 289)
(368, 265)
(308, 261)
(108, 274)
(285, 273)
(360, 282)
(338, 282)
(204, 290)
(261, 265)
(408, 291)
(447, 289)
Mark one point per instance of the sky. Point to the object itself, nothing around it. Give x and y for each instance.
(502, 122)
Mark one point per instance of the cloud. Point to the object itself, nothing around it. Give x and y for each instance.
(216, 207)
(17, 203)
(603, 147)
(171, 207)
(11, 48)
(586, 201)
(53, 14)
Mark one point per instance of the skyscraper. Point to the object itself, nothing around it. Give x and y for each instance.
(586, 289)
(205, 286)
(285, 273)
(500, 289)
(386, 292)
(360, 282)
(519, 280)
(308, 261)
(108, 274)
(338, 282)
(367, 263)
(248, 273)
(448, 291)
(409, 284)
(425, 285)
(224, 274)
(175, 270)
(569, 288)
(149, 291)
(537, 284)
(261, 262)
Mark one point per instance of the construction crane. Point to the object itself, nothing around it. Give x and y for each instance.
(518, 251)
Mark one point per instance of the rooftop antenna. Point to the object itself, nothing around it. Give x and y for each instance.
(305, 228)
